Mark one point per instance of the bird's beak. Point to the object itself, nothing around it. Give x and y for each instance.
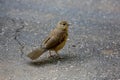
(69, 24)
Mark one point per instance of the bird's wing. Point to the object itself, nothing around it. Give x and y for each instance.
(54, 41)
(46, 39)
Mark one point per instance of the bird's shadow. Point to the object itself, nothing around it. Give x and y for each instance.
(54, 60)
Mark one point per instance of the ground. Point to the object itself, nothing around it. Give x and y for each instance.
(92, 51)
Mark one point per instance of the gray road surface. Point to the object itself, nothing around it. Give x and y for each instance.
(92, 51)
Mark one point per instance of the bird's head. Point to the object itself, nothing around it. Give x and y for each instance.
(63, 25)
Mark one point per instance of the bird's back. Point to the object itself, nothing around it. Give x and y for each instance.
(56, 40)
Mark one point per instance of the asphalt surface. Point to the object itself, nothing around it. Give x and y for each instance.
(92, 51)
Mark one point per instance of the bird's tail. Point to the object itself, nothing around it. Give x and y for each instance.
(36, 53)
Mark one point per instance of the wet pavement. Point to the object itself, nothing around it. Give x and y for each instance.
(92, 51)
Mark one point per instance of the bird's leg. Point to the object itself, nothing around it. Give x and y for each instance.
(50, 55)
(58, 55)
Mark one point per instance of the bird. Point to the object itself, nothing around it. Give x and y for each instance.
(55, 41)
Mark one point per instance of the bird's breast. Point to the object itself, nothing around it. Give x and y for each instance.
(62, 44)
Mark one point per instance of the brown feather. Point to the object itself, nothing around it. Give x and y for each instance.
(55, 41)
(36, 53)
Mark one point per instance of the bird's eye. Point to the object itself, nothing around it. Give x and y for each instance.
(64, 24)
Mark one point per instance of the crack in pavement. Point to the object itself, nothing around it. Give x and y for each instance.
(17, 33)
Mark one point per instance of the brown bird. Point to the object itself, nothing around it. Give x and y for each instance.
(54, 42)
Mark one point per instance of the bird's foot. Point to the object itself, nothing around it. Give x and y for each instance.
(51, 56)
(59, 57)
(55, 57)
